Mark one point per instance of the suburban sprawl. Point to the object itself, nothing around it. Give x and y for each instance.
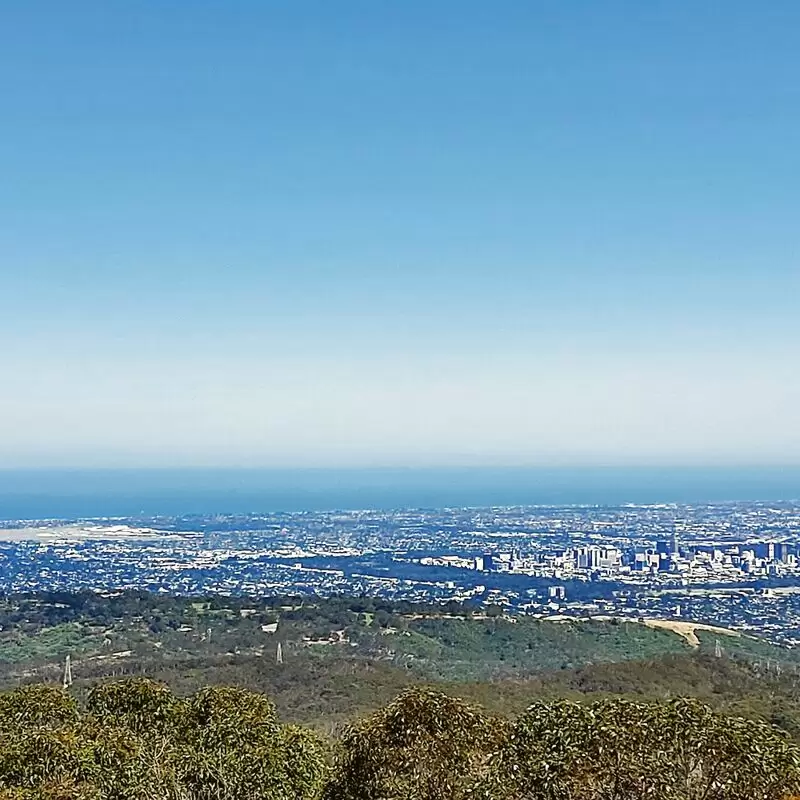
(729, 565)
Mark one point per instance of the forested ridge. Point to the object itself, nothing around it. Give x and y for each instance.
(344, 657)
(186, 699)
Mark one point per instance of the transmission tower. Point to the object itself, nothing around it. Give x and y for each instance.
(67, 673)
(279, 654)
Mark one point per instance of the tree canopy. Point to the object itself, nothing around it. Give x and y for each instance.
(135, 740)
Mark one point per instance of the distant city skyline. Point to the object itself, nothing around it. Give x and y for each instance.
(420, 234)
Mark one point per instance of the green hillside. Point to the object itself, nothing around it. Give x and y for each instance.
(106, 635)
(343, 657)
(489, 648)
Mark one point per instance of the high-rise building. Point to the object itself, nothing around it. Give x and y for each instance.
(592, 557)
(646, 560)
(772, 551)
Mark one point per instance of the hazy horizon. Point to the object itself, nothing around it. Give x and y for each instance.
(352, 234)
(40, 494)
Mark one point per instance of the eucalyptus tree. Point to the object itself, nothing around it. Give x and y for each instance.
(621, 750)
(136, 741)
(37, 705)
(233, 747)
(425, 745)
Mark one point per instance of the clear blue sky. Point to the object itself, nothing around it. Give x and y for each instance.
(354, 233)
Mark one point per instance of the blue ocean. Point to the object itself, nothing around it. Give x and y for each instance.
(47, 494)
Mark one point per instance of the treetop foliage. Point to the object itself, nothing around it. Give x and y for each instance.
(424, 744)
(135, 740)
